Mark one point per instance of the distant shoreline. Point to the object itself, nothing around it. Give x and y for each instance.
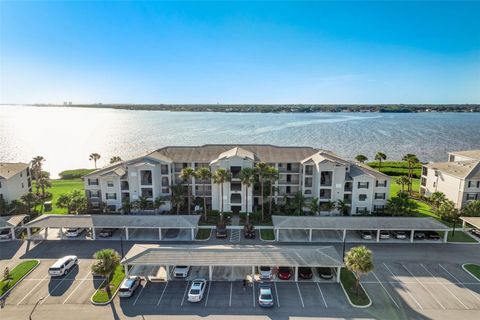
(278, 108)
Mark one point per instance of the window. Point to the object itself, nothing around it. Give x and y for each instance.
(165, 182)
(308, 191)
(92, 182)
(287, 189)
(363, 185)
(164, 169)
(146, 177)
(21, 174)
(111, 196)
(0, 184)
(378, 208)
(94, 193)
(309, 170)
(308, 182)
(147, 192)
(472, 196)
(362, 197)
(165, 190)
(380, 196)
(236, 186)
(289, 167)
(424, 171)
(23, 186)
(326, 178)
(361, 210)
(381, 183)
(124, 185)
(110, 184)
(478, 184)
(469, 184)
(289, 178)
(424, 181)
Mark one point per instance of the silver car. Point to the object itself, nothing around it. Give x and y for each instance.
(265, 296)
(265, 273)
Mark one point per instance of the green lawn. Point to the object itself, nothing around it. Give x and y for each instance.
(101, 295)
(16, 274)
(460, 236)
(474, 269)
(349, 283)
(60, 187)
(203, 234)
(267, 234)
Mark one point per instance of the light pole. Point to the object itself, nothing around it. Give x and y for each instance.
(34, 307)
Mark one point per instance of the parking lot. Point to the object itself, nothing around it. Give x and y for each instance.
(75, 288)
(422, 286)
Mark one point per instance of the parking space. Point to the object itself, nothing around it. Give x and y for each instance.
(117, 233)
(145, 234)
(177, 234)
(422, 286)
(327, 236)
(293, 235)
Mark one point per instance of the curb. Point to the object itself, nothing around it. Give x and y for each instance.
(209, 236)
(350, 301)
(20, 280)
(107, 302)
(466, 270)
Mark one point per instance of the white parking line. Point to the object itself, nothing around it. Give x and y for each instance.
(463, 304)
(321, 293)
(425, 282)
(230, 302)
(253, 292)
(208, 292)
(185, 293)
(388, 293)
(398, 281)
(473, 294)
(431, 294)
(276, 293)
(300, 294)
(54, 288)
(82, 281)
(139, 294)
(35, 287)
(161, 296)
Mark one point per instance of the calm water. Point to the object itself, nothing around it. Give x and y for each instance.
(66, 136)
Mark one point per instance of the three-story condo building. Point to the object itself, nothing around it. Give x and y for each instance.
(458, 178)
(15, 180)
(313, 172)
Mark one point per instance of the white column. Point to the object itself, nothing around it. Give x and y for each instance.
(61, 233)
(339, 269)
(12, 231)
(126, 269)
(296, 273)
(167, 269)
(378, 235)
(445, 236)
(159, 233)
(464, 224)
(253, 274)
(411, 235)
(278, 233)
(126, 233)
(29, 233)
(344, 234)
(310, 235)
(93, 234)
(193, 233)
(210, 273)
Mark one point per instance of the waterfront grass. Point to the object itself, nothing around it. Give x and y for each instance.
(474, 269)
(267, 234)
(357, 297)
(203, 233)
(58, 188)
(396, 168)
(102, 295)
(460, 236)
(16, 274)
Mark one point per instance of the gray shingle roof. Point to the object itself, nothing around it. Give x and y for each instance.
(8, 170)
(233, 255)
(357, 223)
(469, 169)
(115, 221)
(473, 154)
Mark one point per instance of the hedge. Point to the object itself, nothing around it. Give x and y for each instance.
(75, 173)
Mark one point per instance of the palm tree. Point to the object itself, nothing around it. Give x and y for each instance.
(342, 206)
(29, 200)
(448, 212)
(204, 174)
(298, 203)
(43, 182)
(411, 160)
(327, 206)
(177, 196)
(94, 157)
(437, 198)
(107, 261)
(247, 177)
(186, 175)
(401, 205)
(314, 206)
(220, 177)
(37, 169)
(143, 203)
(472, 209)
(379, 157)
(272, 176)
(115, 159)
(402, 181)
(361, 158)
(359, 261)
(158, 202)
(127, 206)
(261, 171)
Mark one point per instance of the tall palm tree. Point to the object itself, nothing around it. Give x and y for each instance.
(43, 182)
(158, 202)
(204, 174)
(380, 156)
(342, 206)
(327, 206)
(107, 261)
(37, 163)
(247, 177)
(361, 158)
(314, 206)
(220, 177)
(272, 175)
(437, 198)
(261, 171)
(115, 159)
(94, 157)
(177, 196)
(298, 203)
(411, 160)
(186, 175)
(359, 260)
(402, 181)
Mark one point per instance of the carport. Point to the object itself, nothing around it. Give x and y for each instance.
(232, 256)
(11, 222)
(286, 227)
(473, 221)
(135, 224)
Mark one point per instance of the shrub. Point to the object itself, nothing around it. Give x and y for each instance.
(75, 173)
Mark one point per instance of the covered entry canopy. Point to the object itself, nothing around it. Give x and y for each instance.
(474, 221)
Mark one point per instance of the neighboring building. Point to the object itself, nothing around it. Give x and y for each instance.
(15, 180)
(313, 172)
(458, 179)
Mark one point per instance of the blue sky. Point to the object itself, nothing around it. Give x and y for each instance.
(240, 52)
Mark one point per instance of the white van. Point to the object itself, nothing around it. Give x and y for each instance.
(62, 266)
(74, 232)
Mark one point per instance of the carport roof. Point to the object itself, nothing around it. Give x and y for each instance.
(474, 221)
(233, 255)
(114, 221)
(357, 223)
(11, 221)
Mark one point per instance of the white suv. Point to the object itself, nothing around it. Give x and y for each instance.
(197, 289)
(74, 232)
(265, 273)
(62, 266)
(181, 271)
(128, 287)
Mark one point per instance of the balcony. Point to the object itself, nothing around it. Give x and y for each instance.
(124, 185)
(348, 187)
(236, 198)
(235, 187)
(291, 181)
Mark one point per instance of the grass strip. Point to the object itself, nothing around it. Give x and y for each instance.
(203, 234)
(348, 280)
(267, 234)
(16, 274)
(102, 295)
(474, 269)
(460, 236)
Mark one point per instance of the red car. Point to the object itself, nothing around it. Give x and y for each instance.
(284, 273)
